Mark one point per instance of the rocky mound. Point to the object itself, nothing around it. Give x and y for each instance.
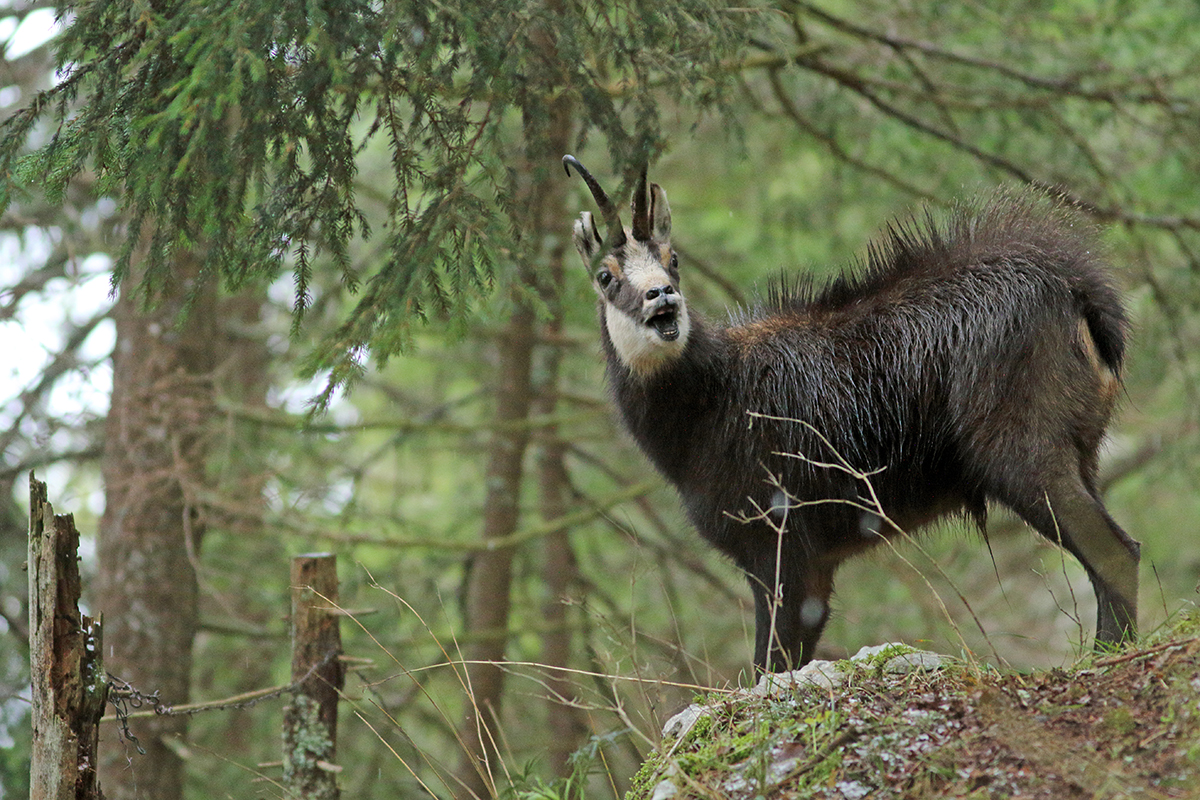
(895, 722)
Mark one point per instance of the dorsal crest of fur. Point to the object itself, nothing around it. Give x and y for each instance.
(1013, 227)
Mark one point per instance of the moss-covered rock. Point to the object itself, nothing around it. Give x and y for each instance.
(895, 722)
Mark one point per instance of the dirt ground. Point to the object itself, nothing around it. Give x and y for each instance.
(1125, 725)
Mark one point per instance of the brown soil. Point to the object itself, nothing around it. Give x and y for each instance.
(1126, 727)
(1122, 726)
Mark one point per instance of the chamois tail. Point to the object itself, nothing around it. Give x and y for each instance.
(1107, 324)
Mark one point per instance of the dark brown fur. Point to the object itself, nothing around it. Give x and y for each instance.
(966, 363)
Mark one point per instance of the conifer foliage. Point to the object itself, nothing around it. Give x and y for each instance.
(239, 126)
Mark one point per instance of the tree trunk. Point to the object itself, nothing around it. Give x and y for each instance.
(491, 572)
(565, 725)
(154, 456)
(540, 195)
(239, 469)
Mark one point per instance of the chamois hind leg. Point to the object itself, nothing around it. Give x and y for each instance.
(1069, 513)
(788, 624)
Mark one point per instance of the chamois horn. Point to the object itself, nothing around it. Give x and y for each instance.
(641, 210)
(607, 210)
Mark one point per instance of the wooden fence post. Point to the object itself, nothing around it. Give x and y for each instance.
(69, 687)
(310, 720)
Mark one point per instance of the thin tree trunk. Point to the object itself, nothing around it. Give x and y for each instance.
(491, 573)
(150, 535)
(565, 725)
(239, 470)
(540, 196)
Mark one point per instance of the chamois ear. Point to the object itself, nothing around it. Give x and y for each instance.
(587, 238)
(660, 214)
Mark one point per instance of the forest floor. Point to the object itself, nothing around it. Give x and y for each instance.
(896, 723)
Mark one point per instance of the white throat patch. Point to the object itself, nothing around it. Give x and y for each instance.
(639, 346)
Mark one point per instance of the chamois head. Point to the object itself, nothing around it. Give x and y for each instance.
(636, 275)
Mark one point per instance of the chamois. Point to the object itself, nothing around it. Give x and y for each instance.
(970, 361)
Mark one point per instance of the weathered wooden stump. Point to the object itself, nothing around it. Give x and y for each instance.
(310, 720)
(66, 665)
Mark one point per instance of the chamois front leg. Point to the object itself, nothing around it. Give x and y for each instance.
(788, 619)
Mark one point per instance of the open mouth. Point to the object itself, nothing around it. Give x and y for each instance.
(665, 322)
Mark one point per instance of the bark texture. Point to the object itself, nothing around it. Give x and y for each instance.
(150, 535)
(239, 470)
(491, 574)
(565, 722)
(69, 687)
(310, 720)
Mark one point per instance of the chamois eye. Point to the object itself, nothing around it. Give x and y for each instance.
(674, 262)
(604, 278)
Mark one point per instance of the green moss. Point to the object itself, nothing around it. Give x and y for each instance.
(738, 740)
(700, 729)
(647, 777)
(1120, 721)
(875, 663)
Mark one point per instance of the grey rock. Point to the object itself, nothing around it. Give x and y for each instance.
(819, 674)
(867, 652)
(679, 725)
(912, 662)
(853, 790)
(664, 790)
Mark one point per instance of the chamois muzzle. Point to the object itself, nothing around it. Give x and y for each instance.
(662, 312)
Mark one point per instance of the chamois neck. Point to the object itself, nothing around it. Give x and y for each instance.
(672, 410)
